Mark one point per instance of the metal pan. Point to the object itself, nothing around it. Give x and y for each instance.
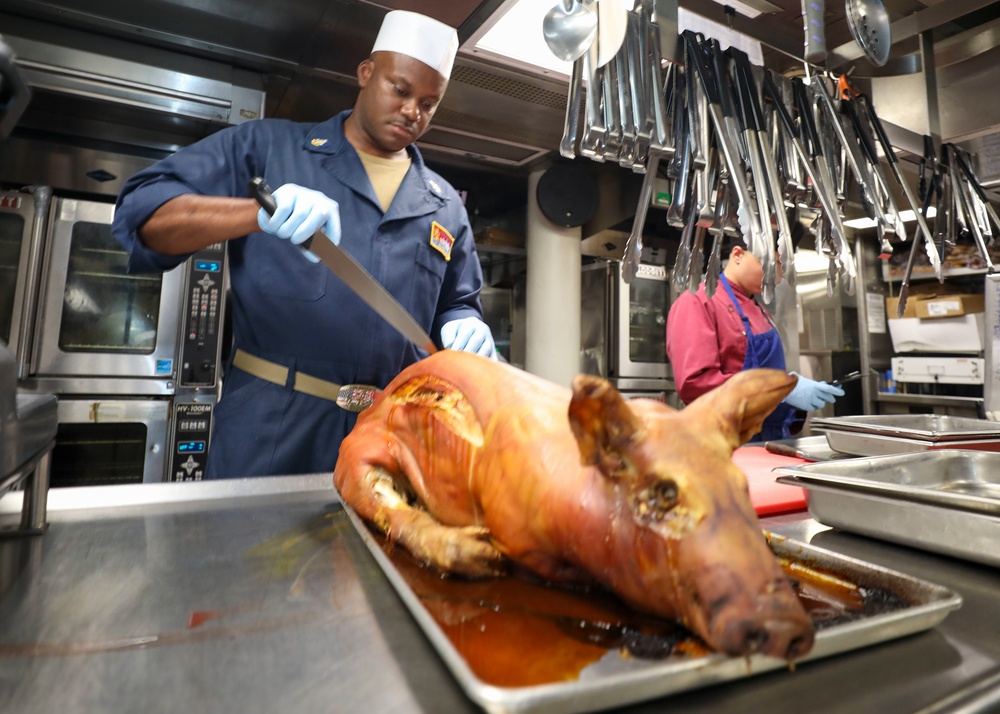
(929, 427)
(615, 679)
(949, 531)
(810, 448)
(950, 478)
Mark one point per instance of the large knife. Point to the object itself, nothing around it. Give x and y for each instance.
(340, 262)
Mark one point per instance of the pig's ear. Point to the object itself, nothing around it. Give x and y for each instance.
(603, 424)
(741, 404)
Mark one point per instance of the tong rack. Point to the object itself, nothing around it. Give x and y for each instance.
(747, 152)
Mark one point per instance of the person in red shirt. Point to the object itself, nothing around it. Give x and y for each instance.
(709, 339)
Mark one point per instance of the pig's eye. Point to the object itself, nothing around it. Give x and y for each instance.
(658, 499)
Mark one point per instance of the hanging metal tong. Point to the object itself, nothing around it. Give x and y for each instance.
(749, 221)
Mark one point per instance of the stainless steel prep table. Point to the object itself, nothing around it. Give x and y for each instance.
(257, 596)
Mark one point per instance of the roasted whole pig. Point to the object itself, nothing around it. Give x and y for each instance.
(474, 466)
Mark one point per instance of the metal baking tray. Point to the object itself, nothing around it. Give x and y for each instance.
(928, 427)
(876, 435)
(928, 526)
(949, 478)
(857, 443)
(810, 448)
(613, 679)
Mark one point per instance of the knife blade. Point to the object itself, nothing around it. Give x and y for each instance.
(359, 280)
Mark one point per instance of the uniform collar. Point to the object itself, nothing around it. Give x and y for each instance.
(424, 191)
(736, 288)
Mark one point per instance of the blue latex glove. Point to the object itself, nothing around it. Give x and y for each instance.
(810, 395)
(299, 213)
(469, 334)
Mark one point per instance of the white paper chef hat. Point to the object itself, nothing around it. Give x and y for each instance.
(420, 37)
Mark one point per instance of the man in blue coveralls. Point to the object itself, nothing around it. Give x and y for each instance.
(298, 331)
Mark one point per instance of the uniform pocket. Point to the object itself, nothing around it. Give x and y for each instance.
(428, 276)
(430, 259)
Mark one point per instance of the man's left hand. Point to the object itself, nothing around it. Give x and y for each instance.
(469, 334)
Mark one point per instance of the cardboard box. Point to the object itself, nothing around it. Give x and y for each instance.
(940, 334)
(949, 306)
(892, 304)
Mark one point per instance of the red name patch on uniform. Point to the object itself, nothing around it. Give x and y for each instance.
(441, 240)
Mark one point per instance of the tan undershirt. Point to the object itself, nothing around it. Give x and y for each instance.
(385, 175)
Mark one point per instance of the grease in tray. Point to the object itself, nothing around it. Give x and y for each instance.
(517, 632)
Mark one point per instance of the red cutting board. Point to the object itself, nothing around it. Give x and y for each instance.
(768, 497)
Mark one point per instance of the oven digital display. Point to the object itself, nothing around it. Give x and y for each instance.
(208, 266)
(190, 447)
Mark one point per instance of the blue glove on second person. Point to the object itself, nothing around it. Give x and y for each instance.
(299, 212)
(469, 334)
(810, 395)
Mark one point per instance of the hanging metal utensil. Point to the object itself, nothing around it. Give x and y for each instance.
(633, 247)
(869, 23)
(682, 264)
(612, 22)
(964, 163)
(750, 121)
(815, 29)
(852, 150)
(964, 202)
(862, 128)
(569, 29)
(818, 171)
(746, 211)
(595, 128)
(718, 230)
(934, 187)
(769, 180)
(567, 147)
(697, 259)
(890, 155)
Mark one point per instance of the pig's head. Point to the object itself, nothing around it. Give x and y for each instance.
(687, 543)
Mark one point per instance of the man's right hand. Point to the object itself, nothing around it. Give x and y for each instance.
(299, 212)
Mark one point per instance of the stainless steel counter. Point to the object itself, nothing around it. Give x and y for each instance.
(258, 596)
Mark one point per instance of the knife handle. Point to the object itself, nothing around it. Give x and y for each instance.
(262, 193)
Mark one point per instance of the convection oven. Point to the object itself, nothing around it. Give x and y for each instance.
(22, 223)
(96, 320)
(134, 359)
(623, 327)
(110, 440)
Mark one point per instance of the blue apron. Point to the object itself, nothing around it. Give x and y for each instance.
(765, 350)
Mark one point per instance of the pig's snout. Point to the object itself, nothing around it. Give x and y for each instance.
(743, 618)
(786, 638)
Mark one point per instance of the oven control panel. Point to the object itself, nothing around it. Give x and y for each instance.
(203, 316)
(192, 427)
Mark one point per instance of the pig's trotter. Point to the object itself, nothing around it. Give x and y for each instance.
(462, 550)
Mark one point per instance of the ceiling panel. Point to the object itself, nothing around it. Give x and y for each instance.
(308, 52)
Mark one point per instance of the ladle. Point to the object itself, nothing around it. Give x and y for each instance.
(869, 23)
(570, 27)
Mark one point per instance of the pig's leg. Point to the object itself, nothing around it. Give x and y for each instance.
(382, 498)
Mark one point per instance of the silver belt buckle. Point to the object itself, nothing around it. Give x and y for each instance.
(356, 397)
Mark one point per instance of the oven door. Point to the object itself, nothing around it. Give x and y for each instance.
(110, 441)
(97, 320)
(21, 228)
(639, 347)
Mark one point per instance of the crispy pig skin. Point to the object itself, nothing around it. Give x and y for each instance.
(472, 465)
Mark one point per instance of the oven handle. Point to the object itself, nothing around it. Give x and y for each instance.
(27, 356)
